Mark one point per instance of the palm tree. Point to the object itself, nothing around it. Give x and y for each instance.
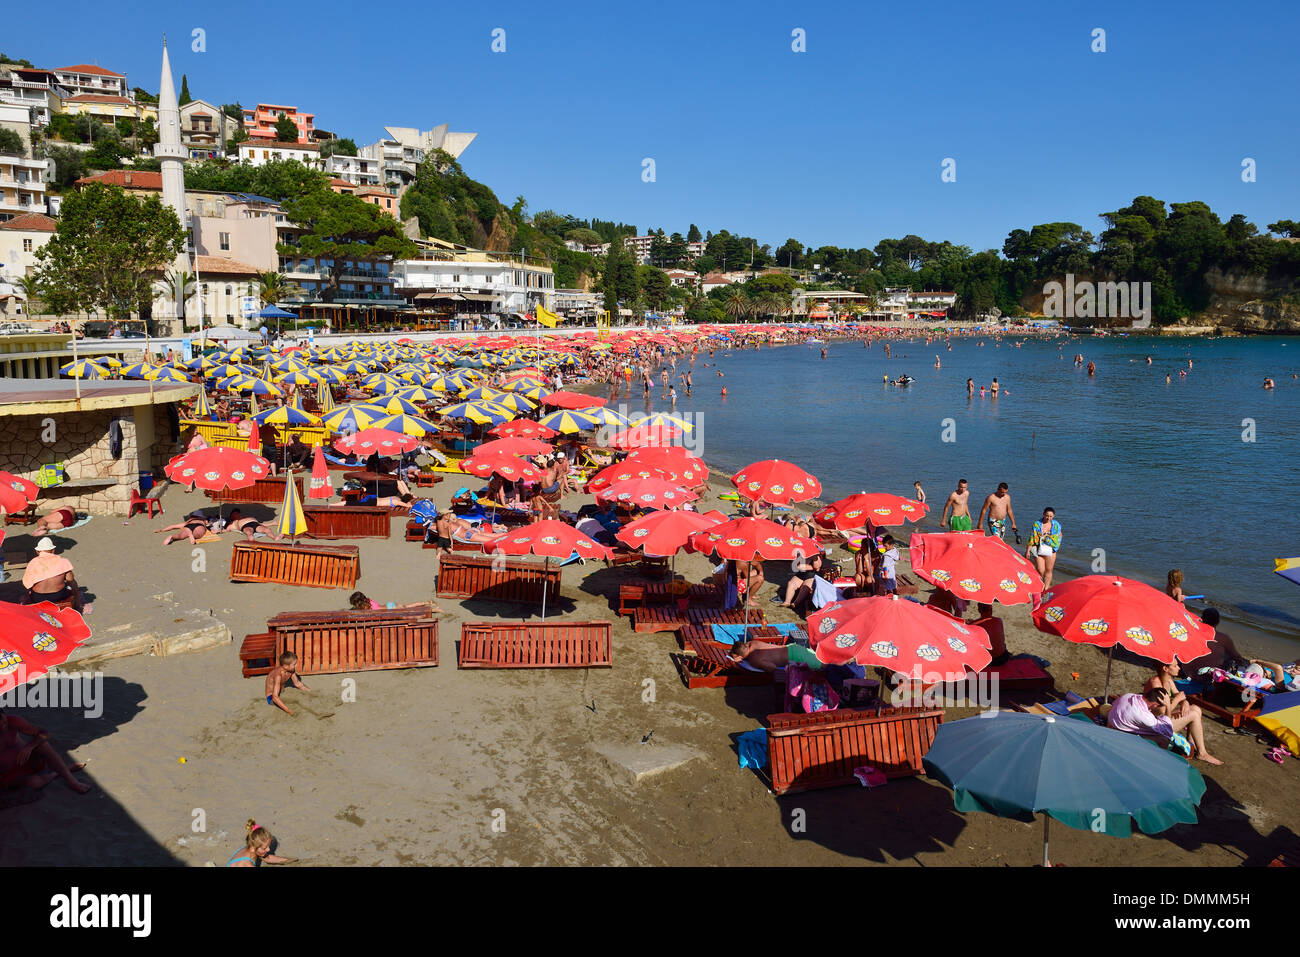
(737, 305)
(181, 285)
(275, 286)
(31, 287)
(774, 304)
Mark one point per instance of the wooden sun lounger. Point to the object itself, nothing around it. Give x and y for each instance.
(317, 566)
(710, 667)
(670, 618)
(465, 575)
(807, 751)
(1235, 716)
(348, 521)
(338, 641)
(265, 491)
(560, 644)
(633, 596)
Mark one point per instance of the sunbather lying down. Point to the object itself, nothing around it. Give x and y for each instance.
(755, 655)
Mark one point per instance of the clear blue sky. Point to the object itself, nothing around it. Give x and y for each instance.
(839, 145)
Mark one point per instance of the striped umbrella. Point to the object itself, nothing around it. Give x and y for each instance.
(394, 404)
(480, 392)
(286, 416)
(325, 398)
(202, 409)
(515, 403)
(350, 418)
(568, 422)
(168, 374)
(136, 370)
(292, 520)
(480, 413)
(299, 377)
(406, 424)
(85, 369)
(660, 420)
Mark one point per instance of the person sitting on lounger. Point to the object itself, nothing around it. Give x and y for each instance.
(805, 570)
(32, 764)
(248, 526)
(285, 673)
(1147, 715)
(63, 517)
(1165, 677)
(192, 529)
(49, 577)
(360, 602)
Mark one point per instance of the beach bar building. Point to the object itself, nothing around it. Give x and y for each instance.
(106, 438)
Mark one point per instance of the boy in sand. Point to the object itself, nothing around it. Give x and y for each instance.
(280, 677)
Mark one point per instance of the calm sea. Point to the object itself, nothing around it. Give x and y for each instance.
(1200, 474)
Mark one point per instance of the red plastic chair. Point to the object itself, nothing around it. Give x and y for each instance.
(141, 501)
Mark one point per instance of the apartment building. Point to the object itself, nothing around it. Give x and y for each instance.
(357, 170)
(261, 152)
(20, 239)
(205, 129)
(506, 281)
(260, 123)
(241, 227)
(109, 107)
(22, 186)
(37, 90)
(89, 78)
(402, 152)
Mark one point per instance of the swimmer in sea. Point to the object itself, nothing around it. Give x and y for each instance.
(1268, 383)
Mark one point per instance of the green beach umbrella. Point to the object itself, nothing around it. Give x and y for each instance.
(1087, 777)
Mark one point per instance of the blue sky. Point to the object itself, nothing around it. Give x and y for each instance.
(839, 145)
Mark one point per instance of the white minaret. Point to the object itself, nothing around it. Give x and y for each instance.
(171, 155)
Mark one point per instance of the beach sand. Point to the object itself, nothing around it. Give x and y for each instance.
(439, 766)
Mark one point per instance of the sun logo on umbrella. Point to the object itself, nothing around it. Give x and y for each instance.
(1054, 613)
(846, 640)
(186, 473)
(1007, 585)
(1139, 634)
(1095, 626)
(883, 511)
(970, 584)
(754, 486)
(854, 513)
(941, 575)
(1024, 578)
(826, 626)
(735, 542)
(641, 533)
(212, 476)
(773, 541)
(648, 497)
(1177, 631)
(929, 652)
(776, 489)
(237, 476)
(798, 487)
(957, 645)
(44, 641)
(550, 540)
(16, 486)
(9, 661)
(51, 620)
(885, 649)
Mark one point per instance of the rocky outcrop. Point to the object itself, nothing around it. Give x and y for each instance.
(1248, 303)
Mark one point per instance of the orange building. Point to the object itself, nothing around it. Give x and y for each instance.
(260, 123)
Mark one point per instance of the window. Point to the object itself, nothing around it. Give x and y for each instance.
(27, 245)
(224, 241)
(230, 290)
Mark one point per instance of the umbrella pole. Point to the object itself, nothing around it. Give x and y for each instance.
(547, 567)
(1047, 819)
(1110, 658)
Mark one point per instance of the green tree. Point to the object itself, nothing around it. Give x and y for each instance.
(737, 305)
(655, 286)
(274, 287)
(1285, 227)
(337, 147)
(107, 250)
(69, 165)
(286, 130)
(693, 234)
(240, 136)
(11, 141)
(339, 228)
(790, 253)
(185, 91)
(234, 111)
(32, 293)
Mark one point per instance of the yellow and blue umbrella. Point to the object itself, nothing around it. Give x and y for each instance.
(660, 420)
(136, 370)
(84, 369)
(167, 374)
(601, 415)
(406, 424)
(326, 399)
(480, 413)
(286, 416)
(202, 410)
(392, 404)
(481, 392)
(1288, 568)
(299, 377)
(1280, 715)
(515, 403)
(569, 421)
(292, 520)
(350, 418)
(418, 393)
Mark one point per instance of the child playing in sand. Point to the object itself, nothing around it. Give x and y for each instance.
(257, 848)
(279, 677)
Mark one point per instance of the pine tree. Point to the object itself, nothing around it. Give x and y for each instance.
(185, 91)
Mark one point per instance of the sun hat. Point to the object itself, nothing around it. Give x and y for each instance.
(45, 545)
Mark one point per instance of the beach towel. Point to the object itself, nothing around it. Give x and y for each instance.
(82, 519)
(423, 510)
(823, 592)
(752, 748)
(730, 634)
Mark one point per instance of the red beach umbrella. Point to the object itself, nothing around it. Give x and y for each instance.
(216, 469)
(687, 469)
(514, 445)
(35, 638)
(777, 482)
(975, 566)
(753, 539)
(524, 429)
(878, 508)
(321, 486)
(550, 539)
(666, 532)
(12, 499)
(384, 441)
(1106, 610)
(625, 471)
(897, 634)
(641, 436)
(647, 493)
(25, 487)
(509, 467)
(572, 400)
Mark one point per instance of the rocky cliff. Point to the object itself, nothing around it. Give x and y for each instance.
(1247, 303)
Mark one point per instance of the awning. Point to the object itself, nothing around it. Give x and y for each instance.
(444, 296)
(476, 297)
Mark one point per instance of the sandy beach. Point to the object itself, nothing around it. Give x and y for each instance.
(440, 766)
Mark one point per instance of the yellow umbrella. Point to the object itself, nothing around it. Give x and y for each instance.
(292, 520)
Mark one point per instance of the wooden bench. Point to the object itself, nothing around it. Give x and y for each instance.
(24, 516)
(465, 575)
(1236, 716)
(317, 566)
(414, 531)
(427, 479)
(265, 491)
(648, 619)
(350, 521)
(708, 666)
(378, 640)
(807, 751)
(560, 644)
(257, 654)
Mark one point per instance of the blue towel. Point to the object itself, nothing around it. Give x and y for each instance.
(752, 746)
(730, 634)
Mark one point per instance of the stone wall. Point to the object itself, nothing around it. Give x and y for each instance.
(98, 483)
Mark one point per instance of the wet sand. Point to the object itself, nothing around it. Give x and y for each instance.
(438, 766)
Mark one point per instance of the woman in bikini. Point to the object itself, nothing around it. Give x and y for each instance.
(257, 848)
(53, 521)
(192, 529)
(248, 526)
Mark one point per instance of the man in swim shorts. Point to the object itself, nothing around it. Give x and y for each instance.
(998, 507)
(958, 505)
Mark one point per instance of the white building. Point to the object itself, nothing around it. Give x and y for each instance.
(37, 90)
(205, 129)
(695, 250)
(685, 278)
(357, 170)
(504, 280)
(639, 246)
(22, 186)
(20, 239)
(406, 147)
(578, 303)
(88, 78)
(259, 154)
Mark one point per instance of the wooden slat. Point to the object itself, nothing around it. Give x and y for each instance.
(316, 566)
(560, 644)
(464, 575)
(349, 521)
(266, 491)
